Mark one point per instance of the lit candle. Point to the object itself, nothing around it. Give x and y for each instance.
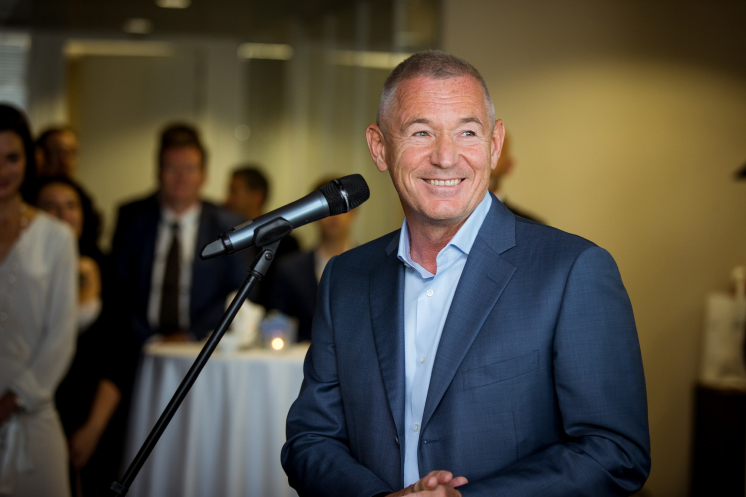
(277, 343)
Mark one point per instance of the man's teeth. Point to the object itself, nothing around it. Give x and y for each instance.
(438, 182)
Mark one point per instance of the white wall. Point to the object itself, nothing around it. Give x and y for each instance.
(628, 121)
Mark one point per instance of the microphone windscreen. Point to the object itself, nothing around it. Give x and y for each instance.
(353, 185)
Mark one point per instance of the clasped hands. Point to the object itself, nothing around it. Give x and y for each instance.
(434, 484)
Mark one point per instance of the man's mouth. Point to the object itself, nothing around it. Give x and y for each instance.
(440, 182)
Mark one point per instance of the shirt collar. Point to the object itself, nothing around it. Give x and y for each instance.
(189, 216)
(463, 239)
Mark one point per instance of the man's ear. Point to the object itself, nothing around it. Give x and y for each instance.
(377, 146)
(498, 136)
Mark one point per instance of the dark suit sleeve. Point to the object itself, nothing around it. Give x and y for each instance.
(316, 456)
(600, 389)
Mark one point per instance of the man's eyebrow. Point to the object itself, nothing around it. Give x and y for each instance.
(417, 120)
(424, 120)
(472, 119)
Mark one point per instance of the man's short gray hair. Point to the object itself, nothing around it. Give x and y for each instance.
(433, 64)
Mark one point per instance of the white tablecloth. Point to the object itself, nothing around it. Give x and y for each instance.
(226, 437)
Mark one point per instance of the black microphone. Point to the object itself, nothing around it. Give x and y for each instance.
(336, 197)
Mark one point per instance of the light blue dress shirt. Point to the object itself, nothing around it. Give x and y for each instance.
(427, 300)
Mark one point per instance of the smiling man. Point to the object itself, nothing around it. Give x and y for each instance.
(471, 352)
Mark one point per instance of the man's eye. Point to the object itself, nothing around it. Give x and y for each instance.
(420, 133)
(469, 133)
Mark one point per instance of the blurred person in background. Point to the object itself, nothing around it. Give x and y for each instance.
(163, 287)
(90, 396)
(505, 166)
(248, 192)
(58, 149)
(296, 285)
(38, 312)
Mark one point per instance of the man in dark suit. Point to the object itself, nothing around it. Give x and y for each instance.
(296, 282)
(248, 192)
(163, 287)
(472, 352)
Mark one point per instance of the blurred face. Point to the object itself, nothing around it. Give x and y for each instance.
(181, 177)
(439, 148)
(61, 154)
(337, 227)
(243, 200)
(12, 164)
(63, 202)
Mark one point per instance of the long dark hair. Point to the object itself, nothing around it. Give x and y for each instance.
(12, 119)
(88, 243)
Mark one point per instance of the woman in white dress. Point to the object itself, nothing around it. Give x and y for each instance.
(38, 302)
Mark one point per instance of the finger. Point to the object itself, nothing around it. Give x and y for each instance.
(432, 480)
(428, 482)
(444, 477)
(458, 481)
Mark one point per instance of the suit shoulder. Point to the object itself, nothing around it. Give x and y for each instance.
(131, 212)
(544, 241)
(138, 204)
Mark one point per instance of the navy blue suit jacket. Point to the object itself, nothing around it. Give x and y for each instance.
(133, 252)
(537, 388)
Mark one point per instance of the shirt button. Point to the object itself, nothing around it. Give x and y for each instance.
(12, 279)
(416, 427)
(3, 316)
(422, 359)
(429, 293)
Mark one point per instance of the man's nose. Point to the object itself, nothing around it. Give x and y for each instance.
(445, 154)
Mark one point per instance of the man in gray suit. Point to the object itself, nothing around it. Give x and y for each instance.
(472, 352)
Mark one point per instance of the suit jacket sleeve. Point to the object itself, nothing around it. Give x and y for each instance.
(600, 389)
(316, 456)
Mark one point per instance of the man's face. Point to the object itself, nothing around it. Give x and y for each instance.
(439, 148)
(181, 176)
(61, 154)
(63, 202)
(243, 200)
(337, 227)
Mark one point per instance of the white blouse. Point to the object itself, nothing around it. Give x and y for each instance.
(38, 311)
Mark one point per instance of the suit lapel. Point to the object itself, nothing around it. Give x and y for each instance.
(199, 269)
(149, 235)
(482, 281)
(387, 317)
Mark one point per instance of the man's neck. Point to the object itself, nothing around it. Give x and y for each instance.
(180, 208)
(427, 240)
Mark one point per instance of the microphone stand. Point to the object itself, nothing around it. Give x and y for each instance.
(258, 271)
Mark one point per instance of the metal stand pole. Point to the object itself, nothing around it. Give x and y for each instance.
(261, 264)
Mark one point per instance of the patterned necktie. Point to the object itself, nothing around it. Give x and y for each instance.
(169, 318)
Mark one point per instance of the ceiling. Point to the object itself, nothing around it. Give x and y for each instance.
(220, 18)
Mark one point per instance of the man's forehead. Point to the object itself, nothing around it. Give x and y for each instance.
(464, 84)
(416, 97)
